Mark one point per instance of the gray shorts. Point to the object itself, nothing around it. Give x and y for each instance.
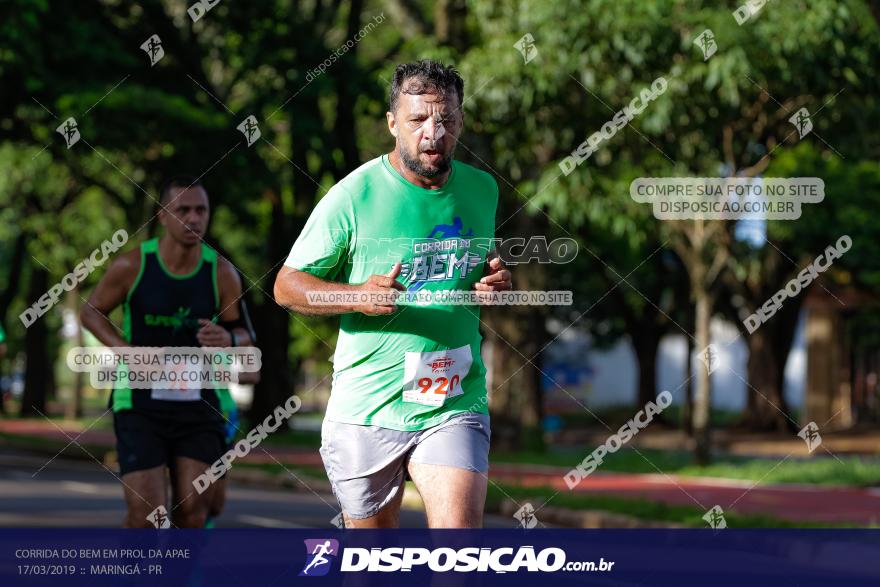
(367, 464)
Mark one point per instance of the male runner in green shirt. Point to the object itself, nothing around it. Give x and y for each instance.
(409, 386)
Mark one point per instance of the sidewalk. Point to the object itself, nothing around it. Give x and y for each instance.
(799, 503)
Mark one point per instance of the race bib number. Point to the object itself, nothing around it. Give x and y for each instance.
(177, 395)
(179, 388)
(430, 378)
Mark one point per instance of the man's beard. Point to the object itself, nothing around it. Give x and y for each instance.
(415, 164)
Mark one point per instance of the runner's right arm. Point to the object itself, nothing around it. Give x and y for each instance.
(110, 293)
(292, 289)
(319, 251)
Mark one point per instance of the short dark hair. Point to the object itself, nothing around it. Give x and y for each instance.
(425, 77)
(178, 181)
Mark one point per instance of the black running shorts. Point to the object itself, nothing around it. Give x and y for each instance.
(148, 439)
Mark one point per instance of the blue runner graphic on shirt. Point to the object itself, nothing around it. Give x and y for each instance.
(451, 230)
(441, 254)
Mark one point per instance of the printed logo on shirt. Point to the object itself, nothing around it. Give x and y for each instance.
(445, 256)
(179, 321)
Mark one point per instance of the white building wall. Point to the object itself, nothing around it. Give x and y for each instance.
(614, 377)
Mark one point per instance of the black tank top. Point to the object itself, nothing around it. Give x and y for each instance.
(163, 309)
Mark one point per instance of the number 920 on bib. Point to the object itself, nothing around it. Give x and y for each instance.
(429, 378)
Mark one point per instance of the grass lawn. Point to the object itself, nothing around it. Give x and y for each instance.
(616, 416)
(847, 470)
(306, 471)
(49, 445)
(638, 508)
(297, 438)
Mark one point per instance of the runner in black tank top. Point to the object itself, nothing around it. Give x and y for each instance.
(163, 309)
(175, 291)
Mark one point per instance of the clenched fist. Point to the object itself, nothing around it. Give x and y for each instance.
(384, 288)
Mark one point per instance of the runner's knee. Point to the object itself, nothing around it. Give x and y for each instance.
(191, 513)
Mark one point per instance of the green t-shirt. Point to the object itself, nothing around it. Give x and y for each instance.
(391, 371)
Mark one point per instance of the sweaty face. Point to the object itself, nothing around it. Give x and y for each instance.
(185, 214)
(428, 127)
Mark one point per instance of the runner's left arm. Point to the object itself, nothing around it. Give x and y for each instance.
(213, 334)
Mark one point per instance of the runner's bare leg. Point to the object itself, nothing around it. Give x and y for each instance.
(144, 491)
(190, 507)
(453, 497)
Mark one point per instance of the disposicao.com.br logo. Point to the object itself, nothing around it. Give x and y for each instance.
(441, 560)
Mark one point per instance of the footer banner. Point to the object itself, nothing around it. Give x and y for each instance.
(270, 558)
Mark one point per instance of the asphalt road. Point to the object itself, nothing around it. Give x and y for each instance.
(70, 493)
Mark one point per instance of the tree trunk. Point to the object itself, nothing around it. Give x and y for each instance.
(276, 376)
(36, 342)
(13, 276)
(74, 408)
(516, 406)
(13, 280)
(703, 399)
(347, 94)
(766, 409)
(501, 363)
(645, 345)
(765, 406)
(271, 320)
(450, 23)
(532, 409)
(687, 408)
(272, 324)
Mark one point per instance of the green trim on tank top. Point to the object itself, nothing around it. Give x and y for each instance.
(137, 280)
(227, 403)
(209, 255)
(122, 399)
(152, 246)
